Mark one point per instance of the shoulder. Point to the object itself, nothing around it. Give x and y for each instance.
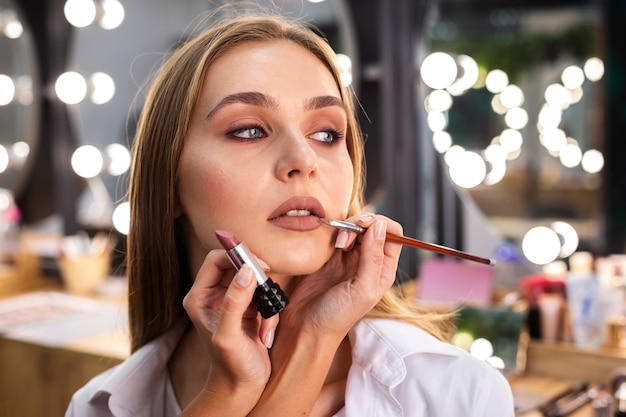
(424, 372)
(129, 388)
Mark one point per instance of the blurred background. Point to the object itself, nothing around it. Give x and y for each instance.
(491, 126)
(485, 119)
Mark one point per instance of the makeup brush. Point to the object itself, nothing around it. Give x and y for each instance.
(351, 227)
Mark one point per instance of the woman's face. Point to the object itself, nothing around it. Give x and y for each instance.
(265, 157)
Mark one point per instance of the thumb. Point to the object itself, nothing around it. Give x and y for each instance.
(237, 300)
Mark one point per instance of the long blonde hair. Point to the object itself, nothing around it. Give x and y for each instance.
(157, 266)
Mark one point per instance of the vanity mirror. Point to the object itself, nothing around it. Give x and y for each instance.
(538, 137)
(18, 97)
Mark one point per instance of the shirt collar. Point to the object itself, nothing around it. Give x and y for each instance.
(380, 345)
(135, 378)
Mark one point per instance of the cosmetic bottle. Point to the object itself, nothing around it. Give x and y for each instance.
(583, 298)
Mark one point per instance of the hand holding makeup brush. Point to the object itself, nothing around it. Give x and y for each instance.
(351, 282)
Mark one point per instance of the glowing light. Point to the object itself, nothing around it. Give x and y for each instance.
(20, 149)
(71, 87)
(570, 155)
(516, 118)
(439, 100)
(4, 159)
(80, 13)
(345, 67)
(468, 170)
(7, 90)
(594, 69)
(512, 96)
(541, 245)
(496, 362)
(438, 70)
(496, 80)
(558, 96)
(511, 140)
(436, 121)
(572, 77)
(569, 237)
(13, 29)
(120, 159)
(452, 154)
(103, 87)
(442, 141)
(593, 161)
(87, 161)
(463, 340)
(553, 139)
(497, 106)
(550, 116)
(113, 14)
(469, 75)
(481, 348)
(495, 155)
(121, 218)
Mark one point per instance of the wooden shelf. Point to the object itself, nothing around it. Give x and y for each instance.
(563, 360)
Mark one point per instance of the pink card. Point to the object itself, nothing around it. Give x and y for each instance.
(454, 282)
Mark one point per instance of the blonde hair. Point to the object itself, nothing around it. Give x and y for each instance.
(157, 267)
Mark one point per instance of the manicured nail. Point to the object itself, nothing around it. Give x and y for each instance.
(342, 239)
(380, 230)
(366, 218)
(244, 276)
(263, 264)
(269, 338)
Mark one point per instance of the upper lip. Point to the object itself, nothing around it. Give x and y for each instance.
(311, 204)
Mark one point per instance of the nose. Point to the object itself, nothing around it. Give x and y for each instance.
(297, 158)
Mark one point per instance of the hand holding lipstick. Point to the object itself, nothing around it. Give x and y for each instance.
(235, 337)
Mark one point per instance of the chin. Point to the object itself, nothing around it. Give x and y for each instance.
(298, 263)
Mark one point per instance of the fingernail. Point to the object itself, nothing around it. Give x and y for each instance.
(380, 230)
(244, 276)
(269, 338)
(342, 239)
(366, 218)
(263, 264)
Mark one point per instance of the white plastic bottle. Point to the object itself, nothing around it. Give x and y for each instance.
(582, 290)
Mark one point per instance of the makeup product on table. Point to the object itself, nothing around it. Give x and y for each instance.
(351, 227)
(268, 298)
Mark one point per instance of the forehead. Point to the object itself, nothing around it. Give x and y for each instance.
(271, 66)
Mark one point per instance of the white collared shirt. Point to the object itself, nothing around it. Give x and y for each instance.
(397, 370)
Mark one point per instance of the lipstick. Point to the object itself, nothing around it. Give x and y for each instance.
(409, 241)
(268, 298)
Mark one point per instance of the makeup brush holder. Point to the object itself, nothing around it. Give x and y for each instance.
(83, 274)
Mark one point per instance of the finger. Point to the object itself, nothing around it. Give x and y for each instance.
(207, 291)
(345, 240)
(236, 305)
(211, 271)
(372, 259)
(268, 330)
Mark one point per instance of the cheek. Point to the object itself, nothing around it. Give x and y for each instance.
(205, 191)
(343, 182)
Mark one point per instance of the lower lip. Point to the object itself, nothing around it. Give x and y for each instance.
(297, 223)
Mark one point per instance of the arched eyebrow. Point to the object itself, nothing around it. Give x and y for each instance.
(255, 98)
(320, 102)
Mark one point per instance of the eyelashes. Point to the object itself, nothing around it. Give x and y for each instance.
(256, 132)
